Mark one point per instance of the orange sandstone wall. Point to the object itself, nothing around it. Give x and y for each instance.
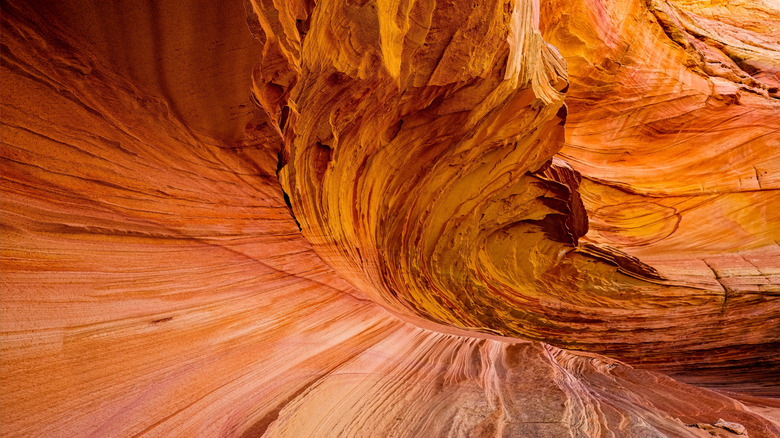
(155, 283)
(417, 156)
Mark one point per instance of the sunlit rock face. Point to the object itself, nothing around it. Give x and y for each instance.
(418, 163)
(675, 129)
(374, 218)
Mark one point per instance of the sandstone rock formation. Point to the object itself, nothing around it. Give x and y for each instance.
(376, 218)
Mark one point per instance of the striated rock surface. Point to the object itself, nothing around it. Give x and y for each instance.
(675, 131)
(427, 182)
(441, 263)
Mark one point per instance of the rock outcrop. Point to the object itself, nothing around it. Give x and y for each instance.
(375, 218)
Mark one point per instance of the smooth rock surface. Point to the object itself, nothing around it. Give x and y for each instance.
(440, 257)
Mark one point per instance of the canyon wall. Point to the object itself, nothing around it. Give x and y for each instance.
(390, 218)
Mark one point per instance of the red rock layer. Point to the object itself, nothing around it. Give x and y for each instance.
(154, 283)
(417, 146)
(675, 131)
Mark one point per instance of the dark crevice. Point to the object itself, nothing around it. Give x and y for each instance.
(283, 118)
(281, 162)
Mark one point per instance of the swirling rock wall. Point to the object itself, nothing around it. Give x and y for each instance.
(675, 130)
(427, 181)
(154, 281)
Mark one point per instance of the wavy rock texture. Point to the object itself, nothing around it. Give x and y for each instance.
(155, 283)
(675, 130)
(428, 183)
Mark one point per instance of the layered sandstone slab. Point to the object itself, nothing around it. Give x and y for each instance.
(675, 130)
(154, 282)
(421, 171)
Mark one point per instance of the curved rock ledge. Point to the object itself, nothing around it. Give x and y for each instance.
(422, 173)
(508, 219)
